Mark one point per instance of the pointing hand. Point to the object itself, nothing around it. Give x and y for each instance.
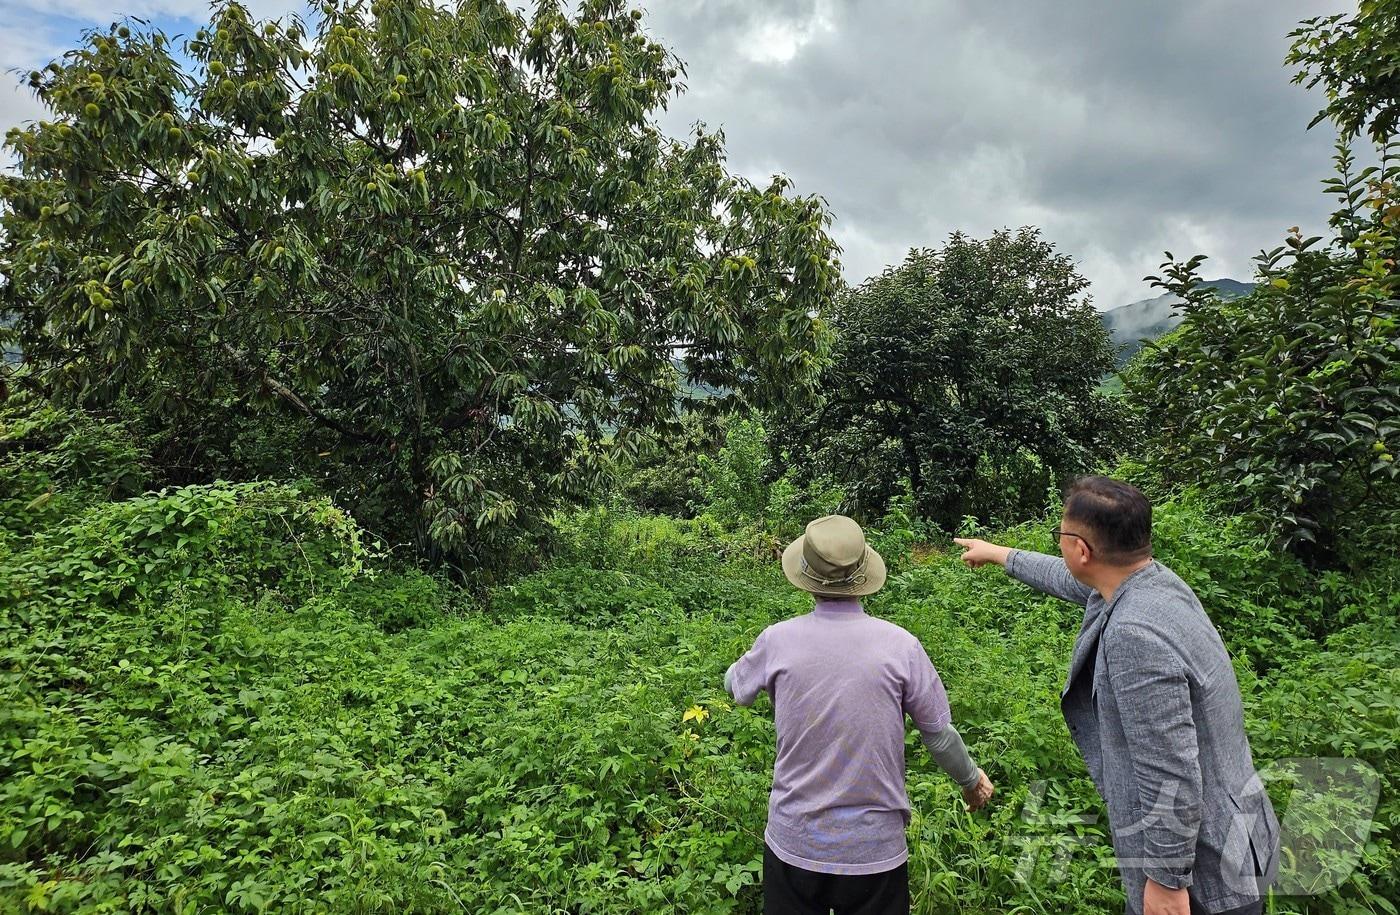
(980, 552)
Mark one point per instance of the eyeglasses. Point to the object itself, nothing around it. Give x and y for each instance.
(1057, 534)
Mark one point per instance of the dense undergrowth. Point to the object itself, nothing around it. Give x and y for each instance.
(218, 698)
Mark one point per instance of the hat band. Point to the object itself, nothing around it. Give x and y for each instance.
(857, 577)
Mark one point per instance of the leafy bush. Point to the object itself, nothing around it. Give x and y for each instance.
(400, 601)
(1286, 400)
(617, 536)
(666, 480)
(257, 716)
(1344, 702)
(747, 485)
(584, 596)
(54, 461)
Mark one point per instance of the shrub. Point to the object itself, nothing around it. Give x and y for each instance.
(257, 716)
(747, 486)
(55, 461)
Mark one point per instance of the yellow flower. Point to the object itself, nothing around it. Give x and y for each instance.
(698, 712)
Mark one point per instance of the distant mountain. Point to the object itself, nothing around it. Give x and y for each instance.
(690, 390)
(1150, 318)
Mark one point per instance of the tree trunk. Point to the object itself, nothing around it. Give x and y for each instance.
(916, 476)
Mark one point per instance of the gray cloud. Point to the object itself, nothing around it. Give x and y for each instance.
(1121, 128)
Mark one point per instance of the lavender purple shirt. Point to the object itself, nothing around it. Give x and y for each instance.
(841, 682)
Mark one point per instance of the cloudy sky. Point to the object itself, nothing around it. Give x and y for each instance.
(1122, 128)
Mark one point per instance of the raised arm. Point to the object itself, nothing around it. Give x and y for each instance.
(1042, 572)
(1047, 573)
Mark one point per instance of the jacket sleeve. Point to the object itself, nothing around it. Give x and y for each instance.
(1153, 697)
(748, 676)
(1047, 573)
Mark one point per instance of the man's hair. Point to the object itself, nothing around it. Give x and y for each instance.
(1115, 514)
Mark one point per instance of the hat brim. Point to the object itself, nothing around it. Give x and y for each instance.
(874, 573)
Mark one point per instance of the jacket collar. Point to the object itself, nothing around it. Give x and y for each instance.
(1086, 646)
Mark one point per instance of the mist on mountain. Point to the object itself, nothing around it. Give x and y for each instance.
(1128, 325)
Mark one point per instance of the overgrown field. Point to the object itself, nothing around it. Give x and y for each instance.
(216, 699)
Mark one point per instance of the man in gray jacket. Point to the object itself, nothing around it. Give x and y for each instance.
(1153, 705)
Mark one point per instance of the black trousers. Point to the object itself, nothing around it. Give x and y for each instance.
(789, 890)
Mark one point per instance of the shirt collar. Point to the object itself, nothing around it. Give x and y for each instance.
(840, 605)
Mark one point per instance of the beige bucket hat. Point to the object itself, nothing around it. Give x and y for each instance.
(832, 558)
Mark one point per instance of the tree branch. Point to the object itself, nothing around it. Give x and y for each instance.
(287, 394)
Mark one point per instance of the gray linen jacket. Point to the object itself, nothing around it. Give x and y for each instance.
(1152, 702)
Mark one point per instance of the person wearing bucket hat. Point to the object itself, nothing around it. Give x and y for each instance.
(841, 683)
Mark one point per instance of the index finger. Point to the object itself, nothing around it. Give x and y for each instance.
(962, 541)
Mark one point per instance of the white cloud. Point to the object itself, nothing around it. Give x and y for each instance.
(777, 41)
(25, 44)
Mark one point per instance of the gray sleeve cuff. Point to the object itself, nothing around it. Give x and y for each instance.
(1172, 879)
(949, 751)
